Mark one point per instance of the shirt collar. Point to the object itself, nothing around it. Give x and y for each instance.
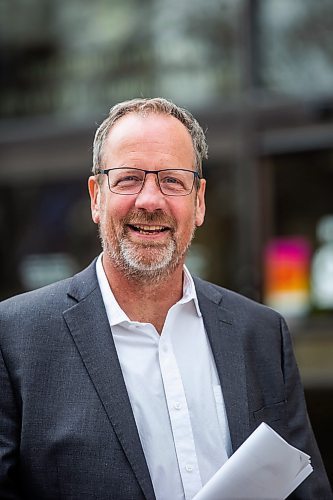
(115, 313)
(189, 291)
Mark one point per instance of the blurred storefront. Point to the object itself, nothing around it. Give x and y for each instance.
(259, 76)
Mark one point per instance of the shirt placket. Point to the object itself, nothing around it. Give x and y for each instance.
(180, 419)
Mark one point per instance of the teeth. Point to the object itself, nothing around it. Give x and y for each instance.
(149, 229)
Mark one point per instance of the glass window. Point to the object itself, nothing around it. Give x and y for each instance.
(296, 46)
(74, 58)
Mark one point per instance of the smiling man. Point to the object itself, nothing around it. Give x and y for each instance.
(134, 380)
(146, 233)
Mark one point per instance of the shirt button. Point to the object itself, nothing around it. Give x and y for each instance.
(177, 405)
(189, 467)
(165, 348)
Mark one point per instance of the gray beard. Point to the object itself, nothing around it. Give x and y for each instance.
(162, 261)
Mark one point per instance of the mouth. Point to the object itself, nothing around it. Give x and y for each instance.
(148, 229)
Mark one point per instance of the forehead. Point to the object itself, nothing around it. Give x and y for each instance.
(153, 133)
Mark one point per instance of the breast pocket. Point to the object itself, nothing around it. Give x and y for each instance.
(273, 415)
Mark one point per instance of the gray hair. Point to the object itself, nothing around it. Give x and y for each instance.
(145, 107)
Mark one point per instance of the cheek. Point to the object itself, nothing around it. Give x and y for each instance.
(186, 220)
(115, 205)
(114, 211)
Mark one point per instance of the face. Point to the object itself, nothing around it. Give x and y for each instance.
(146, 235)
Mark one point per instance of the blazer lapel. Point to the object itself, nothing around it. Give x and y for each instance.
(225, 337)
(90, 329)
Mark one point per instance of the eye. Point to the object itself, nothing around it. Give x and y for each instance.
(128, 178)
(171, 180)
(123, 179)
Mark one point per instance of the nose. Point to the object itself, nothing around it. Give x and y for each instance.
(150, 197)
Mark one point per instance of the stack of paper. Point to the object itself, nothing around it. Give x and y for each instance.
(264, 467)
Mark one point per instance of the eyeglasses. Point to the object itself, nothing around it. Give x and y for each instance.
(171, 181)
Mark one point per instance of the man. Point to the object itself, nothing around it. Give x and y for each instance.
(131, 380)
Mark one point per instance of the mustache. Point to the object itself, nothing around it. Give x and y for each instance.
(157, 217)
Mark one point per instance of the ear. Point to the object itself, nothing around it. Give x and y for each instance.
(200, 204)
(95, 195)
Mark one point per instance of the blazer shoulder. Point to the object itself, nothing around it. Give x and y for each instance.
(233, 301)
(51, 297)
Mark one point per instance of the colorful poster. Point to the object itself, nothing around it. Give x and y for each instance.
(287, 276)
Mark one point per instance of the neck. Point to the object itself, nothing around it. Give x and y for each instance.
(142, 300)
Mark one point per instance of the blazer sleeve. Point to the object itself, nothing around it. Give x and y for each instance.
(9, 437)
(299, 427)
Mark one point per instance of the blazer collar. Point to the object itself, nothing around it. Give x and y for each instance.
(225, 335)
(88, 324)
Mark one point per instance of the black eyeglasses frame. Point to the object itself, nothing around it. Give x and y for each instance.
(196, 177)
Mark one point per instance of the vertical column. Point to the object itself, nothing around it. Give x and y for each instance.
(248, 237)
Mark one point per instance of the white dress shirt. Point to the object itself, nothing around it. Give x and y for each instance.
(174, 392)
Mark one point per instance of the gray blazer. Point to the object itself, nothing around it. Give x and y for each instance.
(66, 426)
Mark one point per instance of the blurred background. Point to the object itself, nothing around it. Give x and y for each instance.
(258, 74)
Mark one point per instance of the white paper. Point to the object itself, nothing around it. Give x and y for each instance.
(265, 467)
